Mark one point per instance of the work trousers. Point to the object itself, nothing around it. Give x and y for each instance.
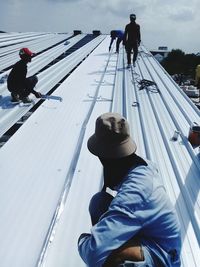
(129, 48)
(30, 83)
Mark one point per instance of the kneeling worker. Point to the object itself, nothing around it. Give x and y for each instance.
(20, 86)
(139, 226)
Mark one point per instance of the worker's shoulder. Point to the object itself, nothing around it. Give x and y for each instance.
(20, 65)
(132, 28)
(119, 31)
(19, 62)
(144, 177)
(150, 168)
(139, 180)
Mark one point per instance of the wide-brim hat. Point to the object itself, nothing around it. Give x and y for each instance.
(112, 137)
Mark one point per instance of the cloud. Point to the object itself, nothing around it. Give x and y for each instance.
(117, 7)
(161, 21)
(182, 14)
(64, 1)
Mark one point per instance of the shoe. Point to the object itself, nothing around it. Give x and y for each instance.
(26, 100)
(134, 64)
(128, 66)
(15, 98)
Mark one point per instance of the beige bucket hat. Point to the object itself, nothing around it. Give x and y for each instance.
(112, 137)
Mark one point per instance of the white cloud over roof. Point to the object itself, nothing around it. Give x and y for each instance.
(171, 23)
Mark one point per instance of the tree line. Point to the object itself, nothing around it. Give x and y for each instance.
(177, 62)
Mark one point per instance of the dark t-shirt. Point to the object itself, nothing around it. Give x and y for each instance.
(132, 33)
(17, 76)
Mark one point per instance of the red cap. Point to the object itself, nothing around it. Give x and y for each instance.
(26, 52)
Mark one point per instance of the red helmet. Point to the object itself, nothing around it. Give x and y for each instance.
(25, 53)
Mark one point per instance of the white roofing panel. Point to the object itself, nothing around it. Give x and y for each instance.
(161, 149)
(12, 38)
(53, 178)
(87, 178)
(7, 50)
(32, 189)
(36, 46)
(162, 152)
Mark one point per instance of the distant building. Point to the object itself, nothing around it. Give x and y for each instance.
(160, 53)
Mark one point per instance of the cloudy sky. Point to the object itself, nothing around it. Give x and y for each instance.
(172, 23)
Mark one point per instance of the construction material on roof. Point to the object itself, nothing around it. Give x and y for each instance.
(47, 174)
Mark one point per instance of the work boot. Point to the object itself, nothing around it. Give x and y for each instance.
(14, 98)
(128, 66)
(26, 100)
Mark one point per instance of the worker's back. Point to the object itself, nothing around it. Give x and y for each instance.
(17, 76)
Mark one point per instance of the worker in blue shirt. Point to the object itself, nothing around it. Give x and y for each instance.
(139, 226)
(116, 34)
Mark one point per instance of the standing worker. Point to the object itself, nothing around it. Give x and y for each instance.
(20, 86)
(139, 226)
(116, 34)
(132, 39)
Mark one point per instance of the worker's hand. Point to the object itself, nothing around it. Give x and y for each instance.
(37, 94)
(130, 251)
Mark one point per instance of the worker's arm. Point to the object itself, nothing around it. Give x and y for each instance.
(122, 222)
(125, 36)
(112, 39)
(113, 230)
(37, 94)
(139, 35)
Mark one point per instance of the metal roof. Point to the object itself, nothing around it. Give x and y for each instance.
(47, 174)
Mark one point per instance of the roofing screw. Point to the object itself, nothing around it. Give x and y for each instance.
(175, 136)
(135, 104)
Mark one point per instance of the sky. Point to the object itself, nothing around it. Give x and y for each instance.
(171, 23)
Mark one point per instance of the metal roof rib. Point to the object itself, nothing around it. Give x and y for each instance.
(38, 45)
(44, 197)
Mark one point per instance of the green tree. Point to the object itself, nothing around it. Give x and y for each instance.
(174, 62)
(178, 62)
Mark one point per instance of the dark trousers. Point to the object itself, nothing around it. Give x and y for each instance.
(30, 83)
(129, 48)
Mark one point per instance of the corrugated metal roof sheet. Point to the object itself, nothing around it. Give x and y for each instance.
(48, 176)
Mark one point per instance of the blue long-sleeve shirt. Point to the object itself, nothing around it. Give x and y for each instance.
(119, 34)
(141, 207)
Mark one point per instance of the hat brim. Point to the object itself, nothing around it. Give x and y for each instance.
(109, 150)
